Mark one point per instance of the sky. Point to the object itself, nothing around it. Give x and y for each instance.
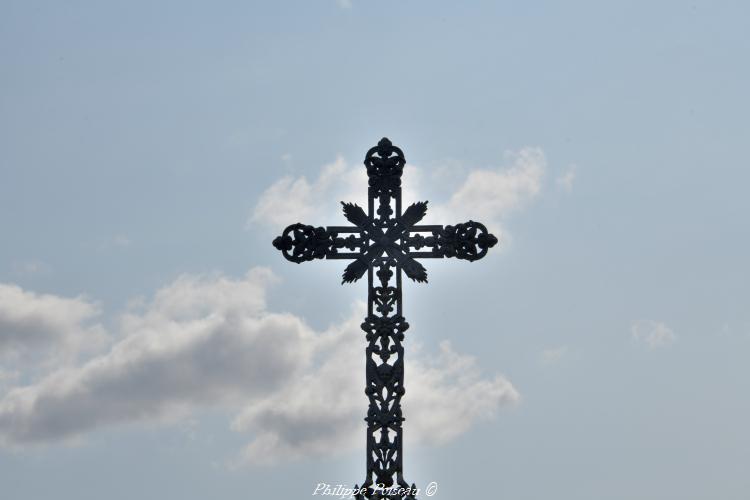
(153, 343)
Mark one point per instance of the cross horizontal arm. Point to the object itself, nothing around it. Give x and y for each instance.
(300, 242)
(467, 241)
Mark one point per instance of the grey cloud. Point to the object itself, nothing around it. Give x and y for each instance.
(43, 327)
(195, 345)
(210, 341)
(322, 412)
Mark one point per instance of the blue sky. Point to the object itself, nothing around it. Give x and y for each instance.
(153, 344)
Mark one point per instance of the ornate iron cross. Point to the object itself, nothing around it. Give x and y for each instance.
(382, 243)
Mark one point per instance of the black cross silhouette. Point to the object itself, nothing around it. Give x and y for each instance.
(378, 243)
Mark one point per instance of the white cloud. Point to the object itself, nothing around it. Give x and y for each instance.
(211, 341)
(553, 355)
(448, 395)
(344, 4)
(291, 200)
(487, 195)
(565, 181)
(44, 328)
(653, 333)
(492, 194)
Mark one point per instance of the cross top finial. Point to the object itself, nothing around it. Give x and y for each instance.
(385, 163)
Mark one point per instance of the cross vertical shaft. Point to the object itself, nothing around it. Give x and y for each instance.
(384, 328)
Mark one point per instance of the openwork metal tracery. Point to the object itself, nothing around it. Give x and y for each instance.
(383, 242)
